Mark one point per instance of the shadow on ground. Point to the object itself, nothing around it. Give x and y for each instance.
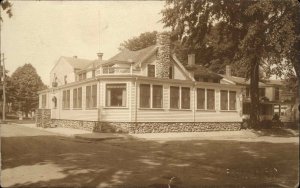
(53, 161)
(277, 132)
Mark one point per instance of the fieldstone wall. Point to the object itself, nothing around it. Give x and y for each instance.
(95, 126)
(163, 55)
(43, 118)
(164, 127)
(147, 127)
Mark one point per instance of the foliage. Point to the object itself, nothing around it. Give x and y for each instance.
(256, 32)
(6, 7)
(136, 43)
(25, 84)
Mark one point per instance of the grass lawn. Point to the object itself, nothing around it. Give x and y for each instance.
(54, 161)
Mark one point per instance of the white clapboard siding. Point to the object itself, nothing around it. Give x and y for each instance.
(88, 115)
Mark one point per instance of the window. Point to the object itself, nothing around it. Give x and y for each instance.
(174, 97)
(228, 100)
(157, 94)
(66, 99)
(116, 95)
(232, 100)
(185, 98)
(145, 95)
(224, 100)
(91, 96)
(65, 79)
(170, 72)
(82, 76)
(216, 81)
(93, 73)
(77, 98)
(44, 101)
(276, 93)
(200, 98)
(247, 92)
(151, 70)
(210, 104)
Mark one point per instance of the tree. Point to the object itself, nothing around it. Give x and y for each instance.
(261, 31)
(25, 85)
(136, 43)
(6, 7)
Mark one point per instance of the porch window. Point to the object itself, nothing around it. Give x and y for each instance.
(232, 100)
(210, 104)
(185, 98)
(44, 99)
(151, 70)
(224, 100)
(157, 96)
(145, 95)
(276, 93)
(116, 95)
(77, 98)
(174, 97)
(91, 96)
(262, 92)
(200, 98)
(66, 99)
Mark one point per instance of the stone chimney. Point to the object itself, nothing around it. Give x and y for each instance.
(75, 56)
(228, 70)
(163, 62)
(191, 60)
(100, 55)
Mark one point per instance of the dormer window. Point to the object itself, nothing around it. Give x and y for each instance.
(151, 70)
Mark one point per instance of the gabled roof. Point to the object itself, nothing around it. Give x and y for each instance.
(127, 56)
(239, 80)
(78, 63)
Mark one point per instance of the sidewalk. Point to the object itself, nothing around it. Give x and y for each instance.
(77, 133)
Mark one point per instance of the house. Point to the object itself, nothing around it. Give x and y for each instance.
(275, 98)
(142, 91)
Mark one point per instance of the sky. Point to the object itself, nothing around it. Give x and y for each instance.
(41, 31)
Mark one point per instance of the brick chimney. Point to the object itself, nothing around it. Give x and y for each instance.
(228, 70)
(163, 62)
(100, 55)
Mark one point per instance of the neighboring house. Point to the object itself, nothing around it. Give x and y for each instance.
(274, 97)
(148, 90)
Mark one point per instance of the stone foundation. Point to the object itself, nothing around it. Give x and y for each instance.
(164, 127)
(43, 118)
(147, 127)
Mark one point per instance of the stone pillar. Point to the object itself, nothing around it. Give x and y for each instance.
(163, 62)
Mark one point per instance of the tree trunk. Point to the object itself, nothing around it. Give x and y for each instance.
(254, 93)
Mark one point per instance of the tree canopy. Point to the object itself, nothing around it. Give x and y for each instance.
(6, 7)
(251, 34)
(142, 41)
(25, 84)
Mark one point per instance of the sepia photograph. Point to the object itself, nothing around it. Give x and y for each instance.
(149, 94)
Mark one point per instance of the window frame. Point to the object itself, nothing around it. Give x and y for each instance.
(44, 101)
(228, 100)
(205, 99)
(148, 70)
(180, 98)
(76, 98)
(151, 96)
(66, 99)
(90, 103)
(126, 89)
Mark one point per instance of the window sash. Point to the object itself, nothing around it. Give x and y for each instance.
(174, 97)
(210, 103)
(94, 96)
(185, 98)
(157, 96)
(151, 70)
(224, 99)
(116, 95)
(200, 98)
(88, 97)
(44, 99)
(145, 95)
(79, 98)
(232, 100)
